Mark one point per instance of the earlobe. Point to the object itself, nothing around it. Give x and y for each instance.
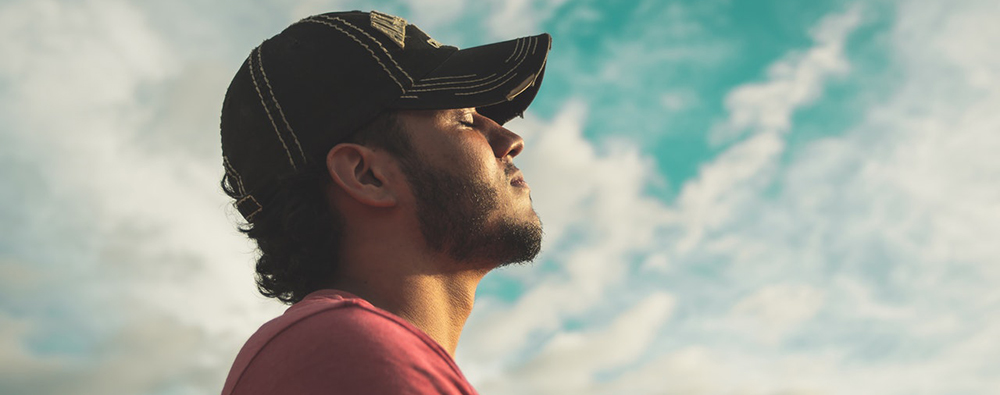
(357, 171)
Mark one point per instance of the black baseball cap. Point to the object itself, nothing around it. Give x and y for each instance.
(314, 84)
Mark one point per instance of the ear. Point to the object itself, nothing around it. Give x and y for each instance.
(360, 172)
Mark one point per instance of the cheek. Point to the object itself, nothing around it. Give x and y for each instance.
(402, 185)
(471, 156)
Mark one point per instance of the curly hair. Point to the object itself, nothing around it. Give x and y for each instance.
(299, 235)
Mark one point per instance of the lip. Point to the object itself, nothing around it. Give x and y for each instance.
(518, 181)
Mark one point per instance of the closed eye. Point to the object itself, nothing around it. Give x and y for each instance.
(467, 118)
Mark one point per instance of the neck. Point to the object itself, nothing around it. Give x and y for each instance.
(438, 302)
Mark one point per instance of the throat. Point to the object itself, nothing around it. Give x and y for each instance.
(439, 304)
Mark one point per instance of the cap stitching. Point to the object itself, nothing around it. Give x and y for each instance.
(499, 84)
(516, 47)
(488, 89)
(267, 110)
(274, 98)
(447, 77)
(363, 45)
(456, 82)
(236, 175)
(523, 57)
(249, 217)
(387, 54)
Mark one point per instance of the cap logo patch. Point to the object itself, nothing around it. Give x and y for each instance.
(392, 26)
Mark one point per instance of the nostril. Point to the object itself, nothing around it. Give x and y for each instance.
(516, 148)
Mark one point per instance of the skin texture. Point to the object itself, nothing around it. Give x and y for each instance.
(423, 230)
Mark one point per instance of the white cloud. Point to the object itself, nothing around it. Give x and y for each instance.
(677, 100)
(792, 82)
(569, 361)
(698, 370)
(154, 233)
(605, 210)
(898, 212)
(712, 200)
(601, 213)
(428, 15)
(516, 18)
(861, 263)
(774, 310)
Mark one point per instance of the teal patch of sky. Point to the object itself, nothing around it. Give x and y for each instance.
(63, 331)
(622, 58)
(502, 287)
(845, 99)
(508, 287)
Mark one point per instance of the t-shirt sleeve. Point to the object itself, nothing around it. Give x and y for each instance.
(350, 350)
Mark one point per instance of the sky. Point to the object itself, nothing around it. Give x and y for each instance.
(767, 197)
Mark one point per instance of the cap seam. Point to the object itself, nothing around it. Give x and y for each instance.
(236, 175)
(448, 76)
(274, 98)
(386, 51)
(512, 69)
(517, 46)
(488, 89)
(454, 82)
(249, 217)
(386, 69)
(267, 111)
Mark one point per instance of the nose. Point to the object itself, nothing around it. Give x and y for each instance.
(504, 142)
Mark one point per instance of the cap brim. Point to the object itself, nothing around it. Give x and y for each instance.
(499, 79)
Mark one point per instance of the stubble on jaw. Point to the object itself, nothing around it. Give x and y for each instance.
(454, 216)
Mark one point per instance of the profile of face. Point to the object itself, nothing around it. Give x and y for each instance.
(472, 202)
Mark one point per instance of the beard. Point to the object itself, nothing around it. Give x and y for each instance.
(454, 216)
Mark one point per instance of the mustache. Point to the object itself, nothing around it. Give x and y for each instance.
(510, 169)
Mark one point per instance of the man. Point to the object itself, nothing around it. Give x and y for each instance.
(374, 172)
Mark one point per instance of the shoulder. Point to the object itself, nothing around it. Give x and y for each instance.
(347, 344)
(354, 326)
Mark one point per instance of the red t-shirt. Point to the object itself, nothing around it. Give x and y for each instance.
(333, 342)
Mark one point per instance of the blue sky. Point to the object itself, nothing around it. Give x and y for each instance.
(767, 197)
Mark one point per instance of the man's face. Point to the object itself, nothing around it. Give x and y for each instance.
(471, 201)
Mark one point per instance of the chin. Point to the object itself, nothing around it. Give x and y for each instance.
(521, 240)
